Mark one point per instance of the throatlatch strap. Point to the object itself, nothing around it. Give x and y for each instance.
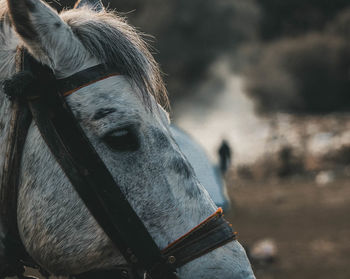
(15, 253)
(14, 250)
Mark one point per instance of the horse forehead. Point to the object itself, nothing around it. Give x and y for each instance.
(116, 90)
(114, 93)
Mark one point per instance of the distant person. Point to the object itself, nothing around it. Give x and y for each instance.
(225, 155)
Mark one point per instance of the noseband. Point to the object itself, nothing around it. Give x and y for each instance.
(37, 95)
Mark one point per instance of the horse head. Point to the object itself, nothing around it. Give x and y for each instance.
(128, 128)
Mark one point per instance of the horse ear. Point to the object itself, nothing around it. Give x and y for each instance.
(45, 34)
(96, 5)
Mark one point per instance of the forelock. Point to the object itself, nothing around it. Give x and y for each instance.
(112, 41)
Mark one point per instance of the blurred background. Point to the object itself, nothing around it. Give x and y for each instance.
(272, 78)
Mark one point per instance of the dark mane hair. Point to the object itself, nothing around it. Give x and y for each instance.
(108, 37)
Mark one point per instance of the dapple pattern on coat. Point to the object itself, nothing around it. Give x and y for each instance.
(55, 226)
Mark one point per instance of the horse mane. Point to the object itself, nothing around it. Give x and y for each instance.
(113, 41)
(8, 43)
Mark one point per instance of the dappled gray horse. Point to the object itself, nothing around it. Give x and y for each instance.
(54, 224)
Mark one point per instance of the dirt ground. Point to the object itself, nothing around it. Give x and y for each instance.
(310, 225)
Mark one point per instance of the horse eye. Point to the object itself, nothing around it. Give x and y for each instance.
(124, 139)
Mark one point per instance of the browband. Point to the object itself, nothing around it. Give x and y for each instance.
(26, 85)
(69, 85)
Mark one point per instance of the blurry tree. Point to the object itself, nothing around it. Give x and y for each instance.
(189, 35)
(295, 17)
(306, 74)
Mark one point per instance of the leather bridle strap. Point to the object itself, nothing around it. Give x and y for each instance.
(69, 85)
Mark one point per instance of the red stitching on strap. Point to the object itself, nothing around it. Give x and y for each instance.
(218, 212)
(87, 84)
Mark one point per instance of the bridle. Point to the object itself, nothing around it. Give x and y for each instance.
(44, 102)
(36, 94)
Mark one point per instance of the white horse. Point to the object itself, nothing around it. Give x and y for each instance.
(55, 226)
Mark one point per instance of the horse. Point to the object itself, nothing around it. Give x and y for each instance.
(122, 117)
(210, 175)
